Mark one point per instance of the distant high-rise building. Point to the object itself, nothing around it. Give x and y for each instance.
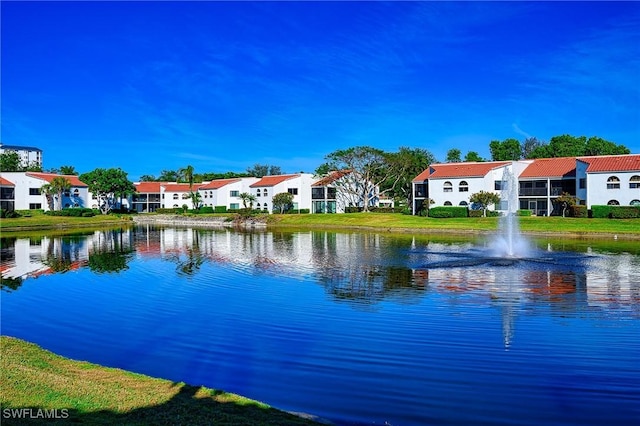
(29, 155)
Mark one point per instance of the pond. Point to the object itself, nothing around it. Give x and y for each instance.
(357, 328)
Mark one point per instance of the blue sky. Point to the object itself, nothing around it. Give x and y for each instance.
(148, 86)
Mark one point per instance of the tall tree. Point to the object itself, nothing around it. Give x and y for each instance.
(168, 176)
(529, 146)
(54, 190)
(507, 150)
(454, 155)
(261, 170)
(599, 146)
(106, 185)
(370, 169)
(405, 165)
(147, 178)
(68, 170)
(473, 156)
(186, 175)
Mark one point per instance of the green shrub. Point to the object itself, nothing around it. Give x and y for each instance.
(475, 213)
(524, 212)
(625, 212)
(407, 211)
(382, 210)
(352, 209)
(88, 214)
(206, 210)
(600, 211)
(448, 211)
(220, 209)
(578, 211)
(298, 211)
(175, 210)
(493, 213)
(11, 214)
(615, 212)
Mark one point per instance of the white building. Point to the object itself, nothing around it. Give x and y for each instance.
(598, 180)
(339, 190)
(298, 185)
(29, 155)
(28, 190)
(225, 192)
(609, 180)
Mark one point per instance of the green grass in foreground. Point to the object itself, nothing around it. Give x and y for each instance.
(38, 379)
(399, 222)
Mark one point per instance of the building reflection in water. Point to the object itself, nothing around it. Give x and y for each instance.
(358, 268)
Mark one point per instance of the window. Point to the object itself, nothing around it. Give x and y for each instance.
(447, 187)
(234, 206)
(175, 206)
(234, 193)
(264, 192)
(634, 182)
(292, 191)
(258, 206)
(67, 193)
(210, 193)
(582, 183)
(635, 203)
(258, 193)
(35, 206)
(463, 187)
(613, 203)
(185, 196)
(464, 203)
(175, 196)
(266, 208)
(317, 193)
(448, 203)
(76, 192)
(613, 183)
(34, 191)
(497, 185)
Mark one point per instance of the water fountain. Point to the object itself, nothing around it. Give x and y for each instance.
(509, 242)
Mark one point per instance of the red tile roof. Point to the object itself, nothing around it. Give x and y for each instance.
(49, 177)
(422, 176)
(612, 163)
(550, 167)
(272, 180)
(219, 183)
(5, 182)
(148, 187)
(331, 177)
(180, 187)
(452, 170)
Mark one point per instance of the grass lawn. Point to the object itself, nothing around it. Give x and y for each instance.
(41, 221)
(391, 222)
(88, 393)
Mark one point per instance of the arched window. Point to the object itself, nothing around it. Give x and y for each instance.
(464, 203)
(613, 203)
(448, 203)
(447, 187)
(464, 186)
(258, 193)
(266, 208)
(210, 193)
(634, 182)
(258, 206)
(175, 206)
(265, 192)
(613, 183)
(635, 203)
(76, 192)
(175, 196)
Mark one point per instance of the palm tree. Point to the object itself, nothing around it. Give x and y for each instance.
(187, 175)
(68, 170)
(247, 199)
(55, 188)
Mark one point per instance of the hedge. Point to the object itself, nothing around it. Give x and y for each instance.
(72, 212)
(220, 209)
(382, 210)
(615, 212)
(524, 212)
(448, 211)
